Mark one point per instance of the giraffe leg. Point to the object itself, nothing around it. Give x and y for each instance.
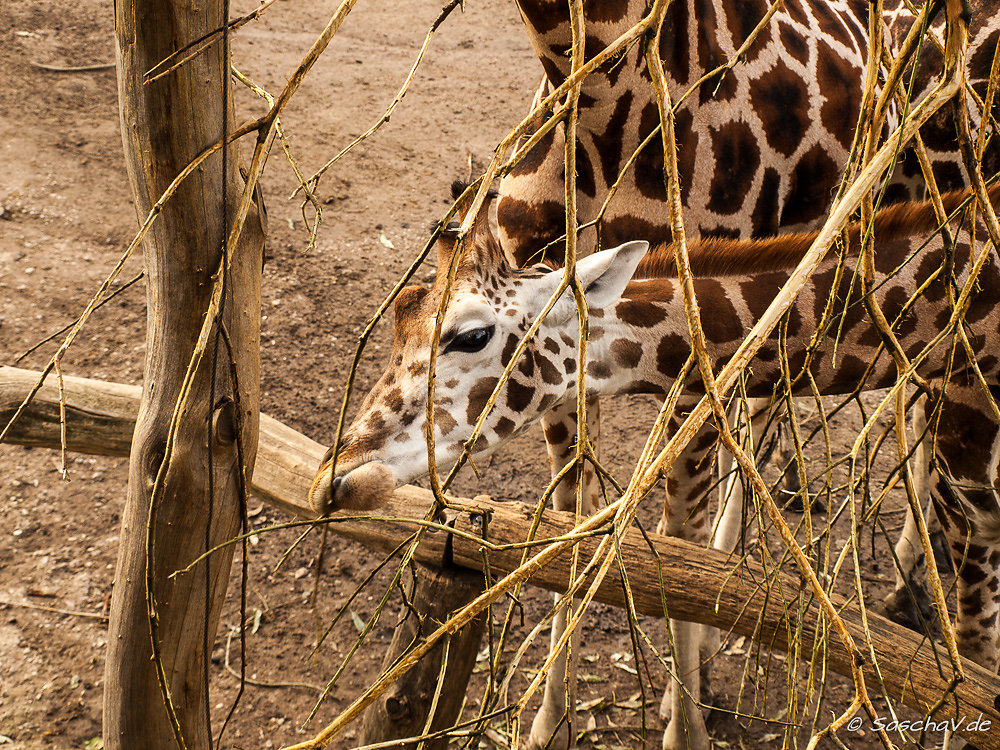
(729, 523)
(685, 516)
(554, 725)
(965, 491)
(910, 604)
(964, 486)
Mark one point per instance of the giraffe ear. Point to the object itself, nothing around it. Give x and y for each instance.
(602, 275)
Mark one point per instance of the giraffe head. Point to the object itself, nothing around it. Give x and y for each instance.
(491, 307)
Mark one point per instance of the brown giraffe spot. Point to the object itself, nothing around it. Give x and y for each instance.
(928, 265)
(551, 345)
(738, 156)
(973, 575)
(949, 175)
(518, 395)
(556, 433)
(639, 313)
(709, 54)
(609, 143)
(742, 17)
(408, 417)
(967, 427)
(552, 70)
(649, 164)
(504, 427)
(797, 13)
(585, 182)
(479, 394)
(893, 304)
(626, 353)
(416, 369)
(759, 292)
(793, 319)
(721, 87)
(569, 365)
(545, 402)
(643, 386)
(594, 333)
(674, 42)
(687, 145)
(839, 113)
(793, 43)
(444, 421)
(851, 369)
(671, 354)
(626, 228)
(987, 296)
(812, 180)
(605, 11)
(767, 353)
(981, 60)
(394, 399)
(764, 219)
(531, 226)
(822, 282)
(781, 101)
(543, 16)
(598, 370)
(718, 318)
(550, 373)
(526, 365)
(451, 384)
(721, 232)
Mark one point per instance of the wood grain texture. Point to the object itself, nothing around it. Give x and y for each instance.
(698, 584)
(165, 125)
(402, 711)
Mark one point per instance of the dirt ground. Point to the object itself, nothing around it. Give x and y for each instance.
(66, 216)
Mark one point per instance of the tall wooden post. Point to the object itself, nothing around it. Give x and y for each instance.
(165, 124)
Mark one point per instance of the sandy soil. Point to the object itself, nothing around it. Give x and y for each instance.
(65, 217)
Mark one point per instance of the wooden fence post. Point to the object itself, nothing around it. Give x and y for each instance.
(165, 124)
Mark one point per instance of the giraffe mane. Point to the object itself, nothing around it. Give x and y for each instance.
(715, 256)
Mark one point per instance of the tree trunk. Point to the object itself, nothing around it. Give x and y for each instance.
(165, 124)
(402, 712)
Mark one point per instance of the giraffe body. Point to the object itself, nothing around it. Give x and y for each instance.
(761, 150)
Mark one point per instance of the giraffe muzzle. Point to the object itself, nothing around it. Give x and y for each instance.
(365, 487)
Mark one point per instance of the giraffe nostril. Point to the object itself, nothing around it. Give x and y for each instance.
(333, 489)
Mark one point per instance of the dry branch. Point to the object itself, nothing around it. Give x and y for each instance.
(691, 576)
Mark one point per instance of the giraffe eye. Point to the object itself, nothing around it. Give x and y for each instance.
(471, 341)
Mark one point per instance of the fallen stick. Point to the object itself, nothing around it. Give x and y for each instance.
(699, 584)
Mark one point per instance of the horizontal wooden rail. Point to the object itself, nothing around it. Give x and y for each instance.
(698, 584)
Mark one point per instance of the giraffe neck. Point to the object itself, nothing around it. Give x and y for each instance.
(641, 343)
